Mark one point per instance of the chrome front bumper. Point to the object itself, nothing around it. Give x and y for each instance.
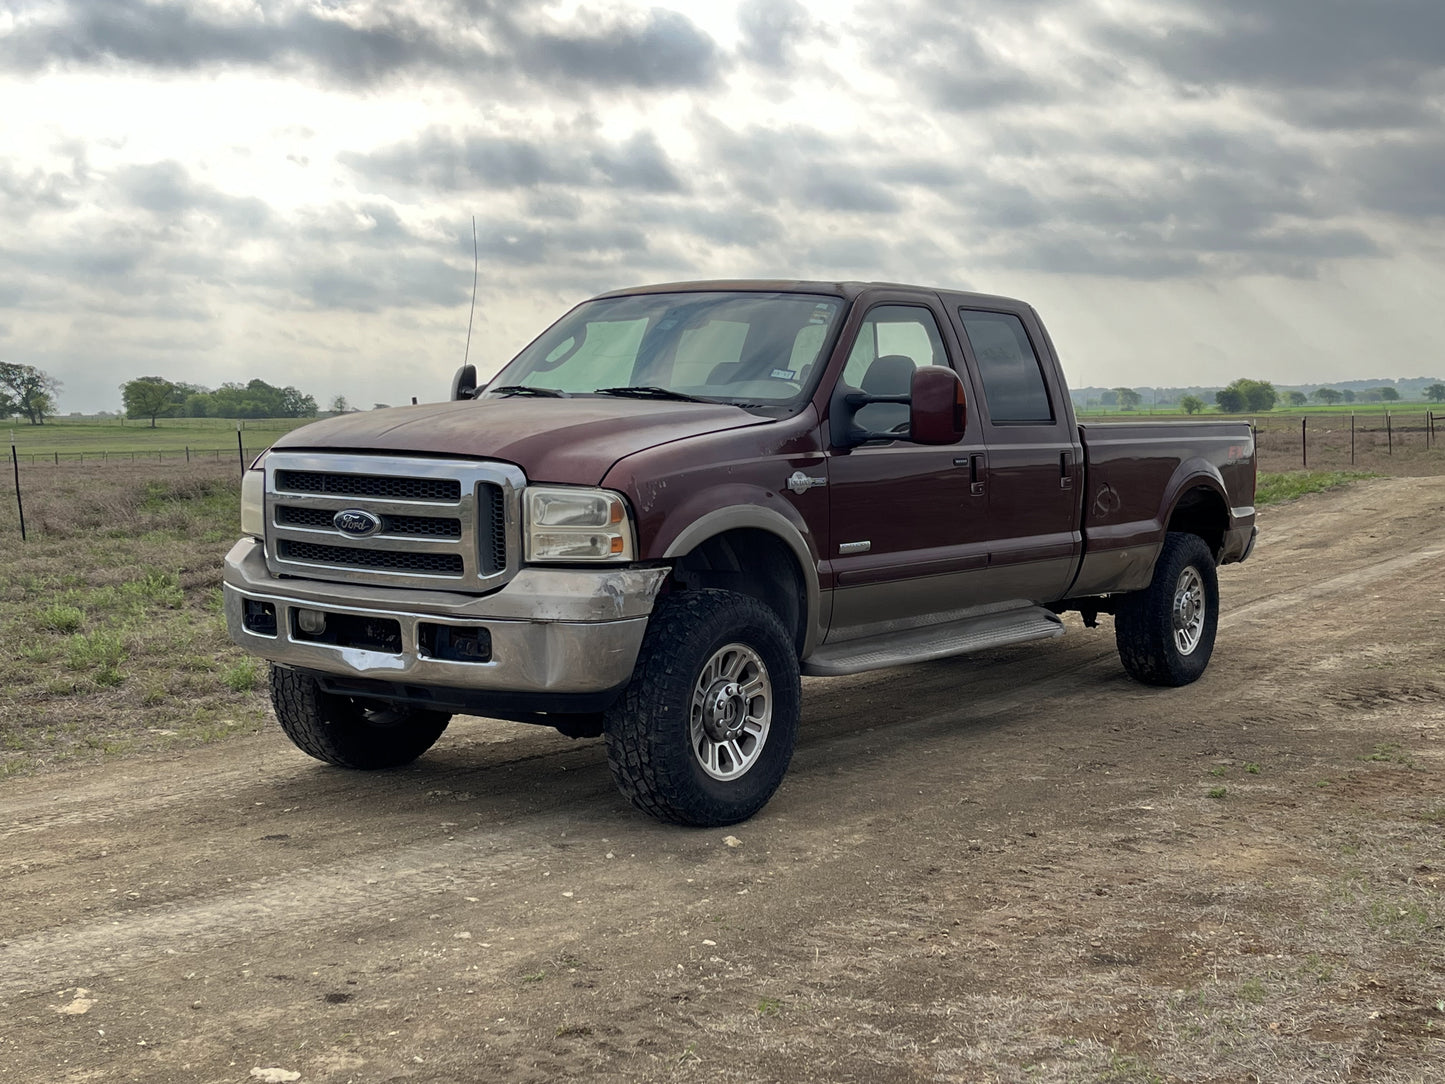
(551, 630)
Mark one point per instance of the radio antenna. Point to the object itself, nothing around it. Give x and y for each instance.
(476, 261)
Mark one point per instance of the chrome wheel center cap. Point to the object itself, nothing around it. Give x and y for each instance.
(723, 710)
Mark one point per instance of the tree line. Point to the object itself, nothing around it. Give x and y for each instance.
(1246, 396)
(155, 397)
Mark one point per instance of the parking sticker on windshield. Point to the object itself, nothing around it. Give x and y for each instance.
(822, 313)
(784, 374)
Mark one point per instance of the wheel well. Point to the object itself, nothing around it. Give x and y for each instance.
(750, 562)
(1202, 511)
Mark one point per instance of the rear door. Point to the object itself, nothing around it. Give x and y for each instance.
(1033, 472)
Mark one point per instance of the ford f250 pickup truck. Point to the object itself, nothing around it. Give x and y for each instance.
(681, 497)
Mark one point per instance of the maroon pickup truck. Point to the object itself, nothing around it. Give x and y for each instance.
(680, 498)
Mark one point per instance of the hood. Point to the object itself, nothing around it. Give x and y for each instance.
(570, 441)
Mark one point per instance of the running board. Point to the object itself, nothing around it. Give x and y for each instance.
(934, 642)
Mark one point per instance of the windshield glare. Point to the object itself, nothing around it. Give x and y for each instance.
(756, 349)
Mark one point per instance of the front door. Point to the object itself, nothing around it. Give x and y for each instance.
(908, 522)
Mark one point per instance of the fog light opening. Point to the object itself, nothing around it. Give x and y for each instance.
(311, 622)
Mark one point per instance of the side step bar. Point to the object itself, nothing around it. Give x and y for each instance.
(934, 642)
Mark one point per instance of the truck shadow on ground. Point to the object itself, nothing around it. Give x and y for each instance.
(508, 772)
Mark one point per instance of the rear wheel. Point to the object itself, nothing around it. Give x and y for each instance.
(705, 730)
(351, 732)
(1165, 632)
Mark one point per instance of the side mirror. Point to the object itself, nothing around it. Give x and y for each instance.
(464, 383)
(937, 411)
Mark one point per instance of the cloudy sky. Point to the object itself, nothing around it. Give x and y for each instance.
(1189, 190)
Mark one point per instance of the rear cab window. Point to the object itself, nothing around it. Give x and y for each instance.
(1014, 387)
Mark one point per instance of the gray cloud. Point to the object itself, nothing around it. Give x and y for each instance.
(1403, 178)
(166, 190)
(770, 29)
(1380, 46)
(36, 191)
(477, 161)
(470, 42)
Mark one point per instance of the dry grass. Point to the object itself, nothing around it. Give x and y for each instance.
(111, 613)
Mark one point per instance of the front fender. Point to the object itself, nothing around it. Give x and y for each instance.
(714, 511)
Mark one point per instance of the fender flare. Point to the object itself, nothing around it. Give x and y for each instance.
(1192, 474)
(757, 517)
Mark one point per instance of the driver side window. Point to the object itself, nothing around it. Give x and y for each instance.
(893, 341)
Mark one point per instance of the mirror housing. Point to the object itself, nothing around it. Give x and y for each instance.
(464, 383)
(937, 411)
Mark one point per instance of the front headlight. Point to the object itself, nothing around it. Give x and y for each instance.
(253, 502)
(576, 524)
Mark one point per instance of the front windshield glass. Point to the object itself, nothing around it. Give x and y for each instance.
(752, 349)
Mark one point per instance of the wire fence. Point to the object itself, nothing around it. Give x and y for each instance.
(143, 455)
(185, 455)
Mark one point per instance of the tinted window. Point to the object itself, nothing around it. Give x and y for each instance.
(1013, 382)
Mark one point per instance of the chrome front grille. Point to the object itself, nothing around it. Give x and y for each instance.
(437, 523)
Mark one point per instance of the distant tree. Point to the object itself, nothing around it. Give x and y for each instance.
(1191, 404)
(1370, 395)
(1328, 396)
(149, 397)
(1435, 392)
(339, 405)
(1349, 395)
(28, 391)
(1244, 394)
(1108, 398)
(1296, 398)
(1389, 395)
(1128, 398)
(296, 404)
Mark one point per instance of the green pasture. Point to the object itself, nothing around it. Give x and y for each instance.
(122, 438)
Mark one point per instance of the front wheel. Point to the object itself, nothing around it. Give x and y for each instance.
(705, 730)
(349, 732)
(1165, 632)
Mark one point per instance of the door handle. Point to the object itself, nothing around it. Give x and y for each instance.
(1066, 470)
(977, 466)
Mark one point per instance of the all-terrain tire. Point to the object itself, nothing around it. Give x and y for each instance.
(705, 729)
(1165, 632)
(349, 732)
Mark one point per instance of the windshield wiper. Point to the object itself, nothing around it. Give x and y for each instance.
(527, 389)
(650, 391)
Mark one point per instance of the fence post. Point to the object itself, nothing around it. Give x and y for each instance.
(1352, 438)
(240, 451)
(15, 459)
(1389, 436)
(1304, 445)
(188, 453)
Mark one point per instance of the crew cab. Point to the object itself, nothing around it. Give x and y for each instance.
(679, 498)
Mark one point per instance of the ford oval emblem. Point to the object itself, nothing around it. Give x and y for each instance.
(356, 522)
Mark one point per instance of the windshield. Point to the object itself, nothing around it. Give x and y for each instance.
(751, 349)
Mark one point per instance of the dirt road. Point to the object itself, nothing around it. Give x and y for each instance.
(1018, 866)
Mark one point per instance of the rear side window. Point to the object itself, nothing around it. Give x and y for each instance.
(1013, 380)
